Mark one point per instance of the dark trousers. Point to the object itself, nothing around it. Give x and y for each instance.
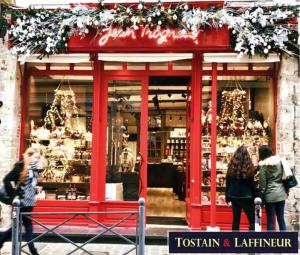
(247, 205)
(5, 236)
(277, 207)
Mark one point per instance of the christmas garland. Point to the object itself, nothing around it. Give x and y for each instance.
(255, 30)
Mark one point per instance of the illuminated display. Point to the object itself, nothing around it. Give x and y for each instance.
(161, 36)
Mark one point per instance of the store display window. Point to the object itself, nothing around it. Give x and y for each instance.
(245, 116)
(59, 122)
(123, 140)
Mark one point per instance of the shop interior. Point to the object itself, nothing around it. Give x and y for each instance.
(59, 121)
(167, 149)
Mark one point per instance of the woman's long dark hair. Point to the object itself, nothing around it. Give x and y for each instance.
(241, 166)
(264, 152)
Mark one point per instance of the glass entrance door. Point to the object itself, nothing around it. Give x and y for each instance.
(125, 144)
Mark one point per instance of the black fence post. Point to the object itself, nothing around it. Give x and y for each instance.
(15, 227)
(141, 246)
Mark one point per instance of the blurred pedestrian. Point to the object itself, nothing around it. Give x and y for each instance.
(271, 186)
(21, 181)
(241, 188)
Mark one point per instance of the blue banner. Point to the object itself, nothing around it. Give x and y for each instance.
(233, 242)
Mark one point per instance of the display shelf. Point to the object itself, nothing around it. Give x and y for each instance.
(43, 183)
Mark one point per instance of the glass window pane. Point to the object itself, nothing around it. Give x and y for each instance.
(159, 66)
(245, 116)
(123, 128)
(182, 65)
(59, 122)
(136, 66)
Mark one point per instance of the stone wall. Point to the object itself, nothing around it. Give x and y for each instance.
(10, 113)
(288, 130)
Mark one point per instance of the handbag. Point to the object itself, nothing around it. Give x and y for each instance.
(290, 182)
(4, 197)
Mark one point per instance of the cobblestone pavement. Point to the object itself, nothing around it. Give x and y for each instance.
(96, 249)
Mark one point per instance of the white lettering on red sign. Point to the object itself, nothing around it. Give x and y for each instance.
(160, 35)
(115, 33)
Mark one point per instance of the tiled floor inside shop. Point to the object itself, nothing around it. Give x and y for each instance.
(163, 202)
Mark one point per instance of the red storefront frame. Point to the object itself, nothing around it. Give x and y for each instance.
(198, 216)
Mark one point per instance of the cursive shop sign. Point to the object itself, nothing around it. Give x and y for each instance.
(160, 36)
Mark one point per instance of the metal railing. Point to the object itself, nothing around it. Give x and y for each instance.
(139, 244)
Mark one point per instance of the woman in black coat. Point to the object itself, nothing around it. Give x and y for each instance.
(24, 178)
(241, 188)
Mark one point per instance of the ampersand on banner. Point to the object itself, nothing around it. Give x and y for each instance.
(226, 243)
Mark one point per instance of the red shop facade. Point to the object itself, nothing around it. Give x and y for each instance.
(151, 108)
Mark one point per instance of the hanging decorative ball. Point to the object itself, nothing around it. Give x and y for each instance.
(269, 47)
(186, 7)
(159, 22)
(128, 10)
(266, 51)
(174, 17)
(162, 8)
(140, 6)
(149, 19)
(96, 23)
(184, 19)
(170, 11)
(234, 32)
(253, 20)
(158, 13)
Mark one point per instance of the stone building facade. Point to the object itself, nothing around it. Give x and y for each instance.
(10, 116)
(288, 130)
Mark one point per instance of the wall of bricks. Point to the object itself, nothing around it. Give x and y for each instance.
(288, 130)
(10, 114)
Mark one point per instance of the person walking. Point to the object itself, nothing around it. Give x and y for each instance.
(241, 188)
(24, 178)
(271, 186)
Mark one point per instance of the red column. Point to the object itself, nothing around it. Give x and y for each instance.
(195, 145)
(213, 170)
(98, 166)
(144, 138)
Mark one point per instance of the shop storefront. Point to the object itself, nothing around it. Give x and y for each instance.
(146, 113)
